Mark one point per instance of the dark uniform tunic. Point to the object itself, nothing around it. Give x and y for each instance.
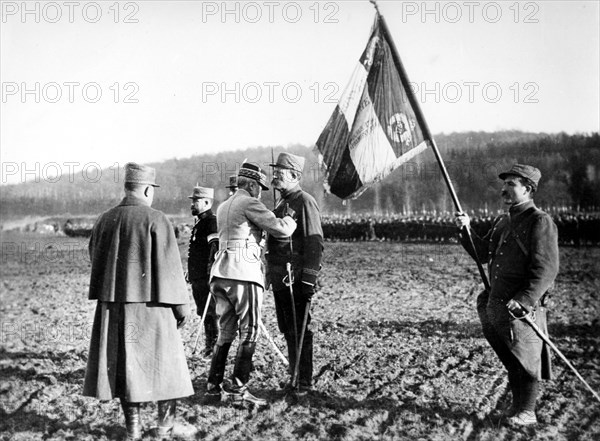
(304, 250)
(522, 252)
(204, 243)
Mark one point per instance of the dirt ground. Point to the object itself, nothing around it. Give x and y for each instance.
(399, 352)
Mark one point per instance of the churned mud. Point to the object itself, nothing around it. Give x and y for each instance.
(398, 354)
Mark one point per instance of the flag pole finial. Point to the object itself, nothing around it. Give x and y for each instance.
(374, 3)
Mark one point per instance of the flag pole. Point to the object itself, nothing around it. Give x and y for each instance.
(428, 136)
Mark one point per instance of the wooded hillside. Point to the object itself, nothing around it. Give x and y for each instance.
(570, 166)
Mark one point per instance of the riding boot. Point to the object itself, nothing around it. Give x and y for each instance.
(167, 428)
(529, 392)
(166, 416)
(515, 388)
(306, 361)
(217, 368)
(241, 376)
(211, 332)
(132, 419)
(291, 348)
(243, 361)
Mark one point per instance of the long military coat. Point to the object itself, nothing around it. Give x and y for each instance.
(521, 250)
(136, 351)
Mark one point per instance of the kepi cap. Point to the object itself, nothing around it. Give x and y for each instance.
(289, 161)
(232, 182)
(253, 171)
(140, 174)
(524, 171)
(202, 193)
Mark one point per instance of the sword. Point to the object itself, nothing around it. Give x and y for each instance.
(299, 351)
(290, 283)
(528, 318)
(261, 324)
(270, 339)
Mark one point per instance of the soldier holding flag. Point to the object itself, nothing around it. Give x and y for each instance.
(304, 251)
(522, 252)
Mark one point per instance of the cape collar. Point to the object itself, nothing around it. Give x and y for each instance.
(133, 200)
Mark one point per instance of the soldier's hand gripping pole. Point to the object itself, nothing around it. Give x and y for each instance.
(208, 299)
(299, 351)
(528, 318)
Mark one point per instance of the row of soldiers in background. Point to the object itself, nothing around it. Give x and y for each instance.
(582, 229)
(573, 229)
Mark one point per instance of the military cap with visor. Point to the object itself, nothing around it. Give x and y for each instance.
(253, 171)
(202, 193)
(523, 171)
(140, 174)
(290, 162)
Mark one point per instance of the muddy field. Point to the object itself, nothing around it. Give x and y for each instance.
(399, 353)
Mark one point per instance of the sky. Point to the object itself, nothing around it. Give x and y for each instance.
(93, 84)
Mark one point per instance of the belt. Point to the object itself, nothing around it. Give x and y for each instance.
(236, 244)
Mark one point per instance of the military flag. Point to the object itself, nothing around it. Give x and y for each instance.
(376, 126)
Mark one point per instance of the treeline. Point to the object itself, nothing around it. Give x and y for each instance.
(570, 166)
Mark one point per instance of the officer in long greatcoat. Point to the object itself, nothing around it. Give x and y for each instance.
(522, 252)
(136, 353)
(204, 243)
(237, 279)
(304, 251)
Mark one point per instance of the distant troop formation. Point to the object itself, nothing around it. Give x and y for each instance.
(244, 249)
(582, 229)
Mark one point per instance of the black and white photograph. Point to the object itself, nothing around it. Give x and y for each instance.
(340, 220)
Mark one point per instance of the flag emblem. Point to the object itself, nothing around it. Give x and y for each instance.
(399, 128)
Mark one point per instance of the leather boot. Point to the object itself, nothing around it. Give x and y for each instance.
(217, 369)
(243, 361)
(133, 422)
(167, 428)
(211, 332)
(291, 349)
(515, 388)
(306, 361)
(241, 375)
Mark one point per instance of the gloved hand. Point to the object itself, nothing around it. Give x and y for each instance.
(182, 314)
(289, 212)
(462, 220)
(516, 309)
(182, 321)
(307, 291)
